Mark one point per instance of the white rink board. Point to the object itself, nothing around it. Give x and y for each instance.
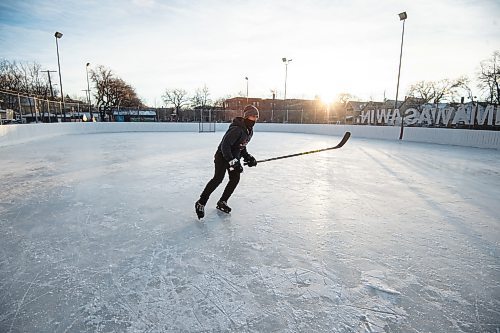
(14, 134)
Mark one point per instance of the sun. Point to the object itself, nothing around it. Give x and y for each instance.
(326, 89)
(328, 96)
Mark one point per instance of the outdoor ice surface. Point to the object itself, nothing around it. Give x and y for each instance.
(98, 234)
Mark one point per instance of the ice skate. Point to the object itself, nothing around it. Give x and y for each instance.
(223, 207)
(200, 209)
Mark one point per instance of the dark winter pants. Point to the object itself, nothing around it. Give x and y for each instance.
(221, 166)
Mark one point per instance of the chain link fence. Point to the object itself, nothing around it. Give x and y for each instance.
(22, 108)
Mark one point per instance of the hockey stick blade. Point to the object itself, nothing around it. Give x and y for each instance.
(342, 142)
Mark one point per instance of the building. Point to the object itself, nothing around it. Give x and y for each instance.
(134, 116)
(278, 110)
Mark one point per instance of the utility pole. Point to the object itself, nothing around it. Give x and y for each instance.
(50, 82)
(51, 90)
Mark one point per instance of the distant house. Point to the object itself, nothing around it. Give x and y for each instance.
(278, 110)
(353, 110)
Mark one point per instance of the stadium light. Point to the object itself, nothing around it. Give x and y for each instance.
(402, 17)
(246, 78)
(286, 62)
(88, 89)
(59, 35)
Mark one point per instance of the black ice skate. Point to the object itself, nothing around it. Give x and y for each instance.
(200, 209)
(223, 207)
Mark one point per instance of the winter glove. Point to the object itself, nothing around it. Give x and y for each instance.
(250, 161)
(235, 165)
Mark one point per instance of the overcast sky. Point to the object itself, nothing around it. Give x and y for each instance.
(336, 45)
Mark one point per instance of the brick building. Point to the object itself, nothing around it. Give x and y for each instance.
(275, 110)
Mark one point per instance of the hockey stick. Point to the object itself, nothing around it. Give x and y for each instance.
(342, 142)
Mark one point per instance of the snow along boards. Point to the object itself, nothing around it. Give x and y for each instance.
(342, 142)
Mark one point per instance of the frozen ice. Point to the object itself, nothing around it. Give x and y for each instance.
(99, 234)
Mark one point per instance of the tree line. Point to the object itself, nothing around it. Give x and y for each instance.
(452, 90)
(110, 91)
(28, 78)
(180, 99)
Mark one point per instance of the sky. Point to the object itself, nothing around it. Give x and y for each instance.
(336, 46)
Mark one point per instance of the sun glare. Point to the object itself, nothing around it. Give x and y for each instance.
(328, 96)
(326, 89)
(327, 99)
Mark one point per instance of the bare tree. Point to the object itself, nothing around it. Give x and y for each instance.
(101, 77)
(10, 80)
(445, 89)
(26, 83)
(343, 99)
(200, 98)
(123, 94)
(25, 78)
(33, 82)
(423, 90)
(10, 75)
(489, 78)
(176, 97)
(112, 91)
(464, 87)
(435, 91)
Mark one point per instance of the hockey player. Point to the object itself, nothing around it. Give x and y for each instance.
(230, 150)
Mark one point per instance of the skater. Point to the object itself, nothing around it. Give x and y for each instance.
(230, 150)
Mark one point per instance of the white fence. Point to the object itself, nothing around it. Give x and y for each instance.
(16, 134)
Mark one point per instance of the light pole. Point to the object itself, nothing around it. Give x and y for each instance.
(86, 94)
(273, 104)
(88, 89)
(59, 35)
(286, 62)
(402, 17)
(246, 78)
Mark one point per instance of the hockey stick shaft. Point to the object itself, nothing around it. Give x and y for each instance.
(346, 137)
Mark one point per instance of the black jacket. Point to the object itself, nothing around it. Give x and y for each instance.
(233, 144)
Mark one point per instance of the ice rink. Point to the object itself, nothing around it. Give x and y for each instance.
(98, 234)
